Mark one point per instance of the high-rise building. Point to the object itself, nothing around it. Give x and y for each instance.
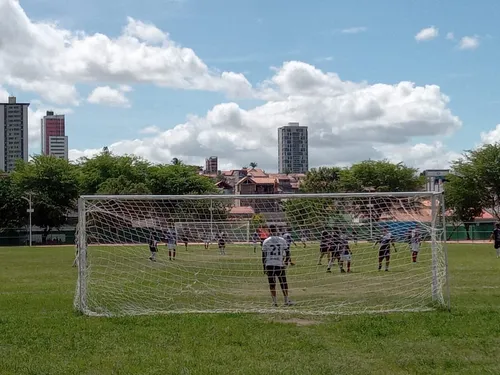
(293, 149)
(13, 133)
(54, 139)
(211, 164)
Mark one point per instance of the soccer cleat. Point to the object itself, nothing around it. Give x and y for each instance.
(289, 303)
(328, 270)
(342, 270)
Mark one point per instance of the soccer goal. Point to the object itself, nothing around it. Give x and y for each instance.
(115, 276)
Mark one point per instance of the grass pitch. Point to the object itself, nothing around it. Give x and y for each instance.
(40, 333)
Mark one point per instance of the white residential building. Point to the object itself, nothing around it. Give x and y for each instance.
(13, 133)
(293, 149)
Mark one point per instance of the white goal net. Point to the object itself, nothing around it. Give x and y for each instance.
(236, 231)
(350, 253)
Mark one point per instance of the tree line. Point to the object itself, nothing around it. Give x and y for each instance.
(55, 184)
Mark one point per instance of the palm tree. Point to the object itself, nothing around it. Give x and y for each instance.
(176, 161)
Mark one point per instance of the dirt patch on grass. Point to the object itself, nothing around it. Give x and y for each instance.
(299, 322)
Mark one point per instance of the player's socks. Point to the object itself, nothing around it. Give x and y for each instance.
(275, 301)
(379, 267)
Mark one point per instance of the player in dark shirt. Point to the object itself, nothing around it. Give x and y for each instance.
(335, 249)
(221, 241)
(153, 248)
(385, 249)
(324, 246)
(495, 236)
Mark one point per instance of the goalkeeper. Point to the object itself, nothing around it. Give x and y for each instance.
(275, 257)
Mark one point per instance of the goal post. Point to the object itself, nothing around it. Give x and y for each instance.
(115, 276)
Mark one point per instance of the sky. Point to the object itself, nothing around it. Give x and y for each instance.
(408, 81)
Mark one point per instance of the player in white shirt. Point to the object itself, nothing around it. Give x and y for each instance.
(415, 240)
(289, 241)
(171, 240)
(275, 258)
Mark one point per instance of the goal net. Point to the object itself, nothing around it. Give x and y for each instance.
(338, 253)
(236, 231)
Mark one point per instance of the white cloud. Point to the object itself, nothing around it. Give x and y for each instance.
(492, 136)
(347, 122)
(450, 36)
(106, 95)
(354, 30)
(43, 58)
(150, 130)
(428, 33)
(422, 156)
(468, 43)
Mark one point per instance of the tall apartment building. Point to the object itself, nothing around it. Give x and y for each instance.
(293, 149)
(54, 139)
(211, 164)
(13, 133)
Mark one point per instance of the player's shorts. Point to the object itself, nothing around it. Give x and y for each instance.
(171, 246)
(415, 247)
(222, 244)
(153, 249)
(345, 257)
(497, 245)
(383, 253)
(323, 249)
(275, 271)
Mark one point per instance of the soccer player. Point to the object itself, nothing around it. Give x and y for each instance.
(354, 236)
(303, 237)
(385, 249)
(345, 253)
(324, 246)
(221, 241)
(171, 240)
(289, 240)
(415, 241)
(206, 240)
(275, 257)
(185, 240)
(153, 248)
(334, 250)
(495, 235)
(255, 239)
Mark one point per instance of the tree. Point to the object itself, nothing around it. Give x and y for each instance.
(380, 176)
(176, 161)
(178, 179)
(126, 174)
(181, 179)
(13, 207)
(321, 180)
(480, 170)
(461, 198)
(54, 186)
(253, 165)
(474, 185)
(257, 221)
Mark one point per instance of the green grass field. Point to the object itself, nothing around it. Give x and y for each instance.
(41, 334)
